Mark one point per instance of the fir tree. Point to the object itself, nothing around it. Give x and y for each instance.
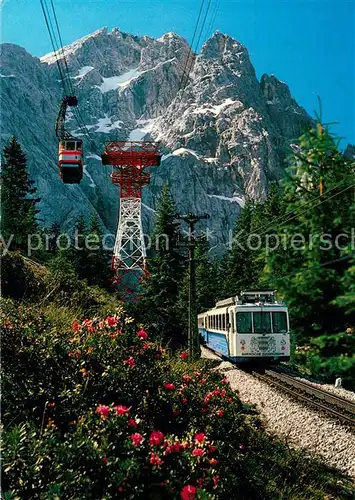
(166, 268)
(97, 271)
(241, 267)
(18, 207)
(318, 198)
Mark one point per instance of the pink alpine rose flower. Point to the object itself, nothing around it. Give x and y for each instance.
(75, 326)
(103, 411)
(155, 460)
(121, 410)
(200, 437)
(184, 355)
(130, 362)
(188, 492)
(142, 334)
(156, 438)
(136, 438)
(111, 321)
(169, 387)
(198, 452)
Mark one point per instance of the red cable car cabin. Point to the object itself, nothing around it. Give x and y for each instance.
(70, 160)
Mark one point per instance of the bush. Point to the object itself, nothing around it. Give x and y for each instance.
(329, 357)
(97, 410)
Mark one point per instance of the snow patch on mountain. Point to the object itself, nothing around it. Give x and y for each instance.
(105, 125)
(148, 208)
(95, 157)
(92, 183)
(216, 110)
(115, 82)
(83, 71)
(233, 199)
(139, 133)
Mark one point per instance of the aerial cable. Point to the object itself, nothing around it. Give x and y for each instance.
(76, 112)
(65, 80)
(53, 44)
(62, 49)
(191, 46)
(213, 19)
(301, 271)
(196, 48)
(277, 220)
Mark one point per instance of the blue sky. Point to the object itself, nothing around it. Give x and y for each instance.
(309, 44)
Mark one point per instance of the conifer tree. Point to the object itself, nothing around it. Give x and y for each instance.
(241, 266)
(97, 271)
(317, 195)
(18, 206)
(166, 269)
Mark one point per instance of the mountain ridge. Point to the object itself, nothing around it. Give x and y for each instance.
(224, 136)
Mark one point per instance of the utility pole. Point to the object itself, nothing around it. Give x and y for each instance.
(193, 335)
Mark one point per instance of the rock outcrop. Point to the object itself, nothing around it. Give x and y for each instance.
(223, 133)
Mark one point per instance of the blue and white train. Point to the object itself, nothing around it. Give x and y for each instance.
(252, 327)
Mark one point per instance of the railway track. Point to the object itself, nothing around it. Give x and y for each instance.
(335, 406)
(324, 401)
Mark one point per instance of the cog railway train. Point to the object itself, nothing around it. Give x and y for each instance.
(252, 327)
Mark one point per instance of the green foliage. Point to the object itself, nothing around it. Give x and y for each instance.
(90, 260)
(18, 207)
(98, 410)
(18, 279)
(166, 268)
(207, 287)
(308, 276)
(330, 357)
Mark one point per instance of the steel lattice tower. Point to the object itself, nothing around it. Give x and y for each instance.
(130, 161)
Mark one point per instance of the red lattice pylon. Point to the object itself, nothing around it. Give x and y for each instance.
(130, 161)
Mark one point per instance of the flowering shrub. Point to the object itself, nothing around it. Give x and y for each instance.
(100, 411)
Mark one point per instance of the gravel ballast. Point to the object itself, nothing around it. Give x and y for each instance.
(301, 426)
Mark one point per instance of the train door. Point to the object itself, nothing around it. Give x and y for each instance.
(231, 331)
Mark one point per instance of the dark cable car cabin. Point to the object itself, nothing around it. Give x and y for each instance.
(70, 160)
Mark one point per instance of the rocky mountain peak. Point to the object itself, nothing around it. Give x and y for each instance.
(222, 133)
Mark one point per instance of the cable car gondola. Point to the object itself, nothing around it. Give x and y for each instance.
(70, 160)
(70, 152)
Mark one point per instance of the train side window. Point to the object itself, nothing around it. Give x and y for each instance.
(220, 322)
(279, 322)
(244, 324)
(223, 321)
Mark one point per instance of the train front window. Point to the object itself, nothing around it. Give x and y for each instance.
(262, 322)
(244, 323)
(279, 322)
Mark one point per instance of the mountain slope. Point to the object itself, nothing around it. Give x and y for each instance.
(224, 136)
